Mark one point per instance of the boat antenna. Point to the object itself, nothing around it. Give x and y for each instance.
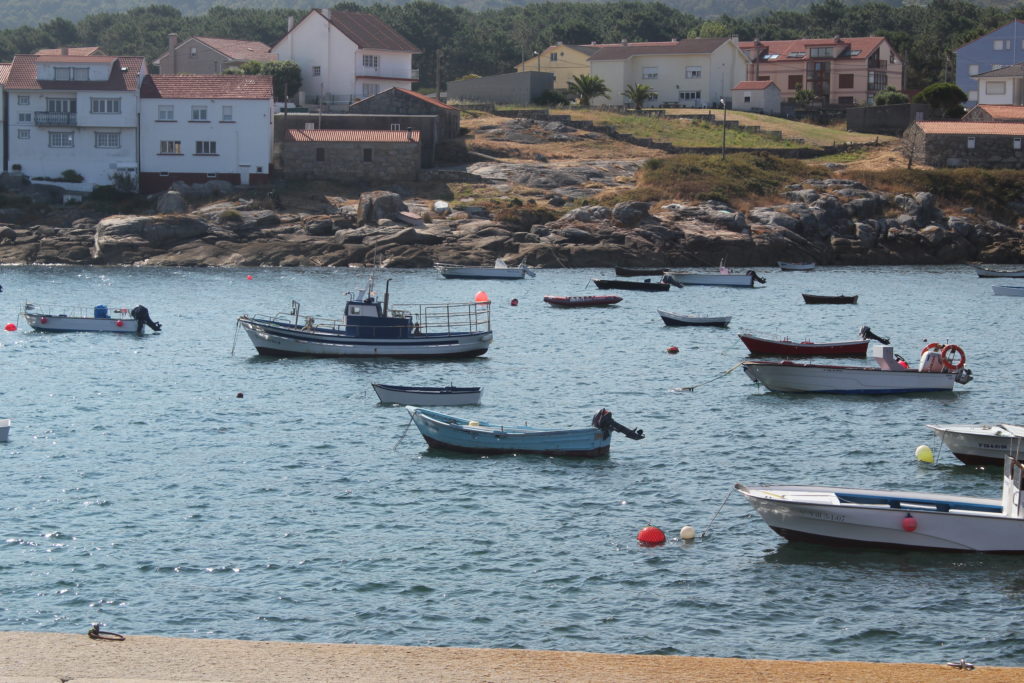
(387, 287)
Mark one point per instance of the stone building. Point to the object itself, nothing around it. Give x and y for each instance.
(410, 103)
(966, 143)
(350, 155)
(995, 112)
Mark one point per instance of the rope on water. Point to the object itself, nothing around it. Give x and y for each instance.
(404, 432)
(235, 339)
(708, 527)
(96, 634)
(716, 377)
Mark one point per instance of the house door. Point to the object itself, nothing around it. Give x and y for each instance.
(243, 172)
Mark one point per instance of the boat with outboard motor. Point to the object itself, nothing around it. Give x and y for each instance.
(979, 444)
(785, 347)
(101, 318)
(370, 328)
(840, 516)
(487, 438)
(499, 271)
(723, 278)
(940, 367)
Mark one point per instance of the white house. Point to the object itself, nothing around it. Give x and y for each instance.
(5, 70)
(199, 127)
(686, 73)
(1001, 86)
(763, 97)
(346, 56)
(74, 113)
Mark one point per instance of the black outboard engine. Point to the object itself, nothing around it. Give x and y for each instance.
(866, 333)
(757, 278)
(141, 315)
(603, 421)
(668, 279)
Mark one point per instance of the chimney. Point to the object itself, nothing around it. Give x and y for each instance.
(64, 50)
(172, 55)
(327, 13)
(291, 23)
(409, 131)
(625, 42)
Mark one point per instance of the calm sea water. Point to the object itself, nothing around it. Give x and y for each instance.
(139, 492)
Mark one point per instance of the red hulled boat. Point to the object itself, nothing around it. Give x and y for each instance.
(785, 347)
(582, 301)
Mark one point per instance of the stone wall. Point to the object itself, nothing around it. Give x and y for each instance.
(990, 151)
(397, 103)
(344, 161)
(427, 125)
(890, 119)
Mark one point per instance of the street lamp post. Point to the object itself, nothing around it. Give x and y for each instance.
(723, 126)
(537, 55)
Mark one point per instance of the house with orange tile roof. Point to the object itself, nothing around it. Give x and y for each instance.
(995, 144)
(839, 71)
(201, 127)
(74, 112)
(346, 56)
(201, 55)
(351, 155)
(762, 97)
(995, 112)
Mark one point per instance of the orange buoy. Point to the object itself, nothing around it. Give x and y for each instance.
(673, 349)
(651, 535)
(120, 323)
(909, 523)
(515, 302)
(10, 327)
(482, 298)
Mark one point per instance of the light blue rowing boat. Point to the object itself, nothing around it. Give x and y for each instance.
(473, 436)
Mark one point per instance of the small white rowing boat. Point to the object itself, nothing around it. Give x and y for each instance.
(427, 396)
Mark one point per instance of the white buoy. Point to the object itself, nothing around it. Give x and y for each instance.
(924, 454)
(687, 533)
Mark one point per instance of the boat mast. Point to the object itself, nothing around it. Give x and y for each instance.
(387, 287)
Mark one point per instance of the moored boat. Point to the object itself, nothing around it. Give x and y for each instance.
(5, 428)
(824, 299)
(680, 320)
(785, 265)
(499, 271)
(979, 444)
(723, 278)
(99, 318)
(486, 438)
(623, 271)
(785, 347)
(840, 516)
(582, 301)
(937, 371)
(1007, 290)
(370, 328)
(645, 286)
(991, 272)
(427, 396)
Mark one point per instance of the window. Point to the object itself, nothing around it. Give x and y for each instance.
(553, 57)
(206, 147)
(649, 72)
(746, 98)
(995, 87)
(316, 71)
(62, 139)
(70, 73)
(1016, 143)
(211, 175)
(972, 70)
(227, 113)
(689, 96)
(1000, 45)
(23, 100)
(24, 133)
(192, 52)
(108, 140)
(371, 61)
(797, 55)
(973, 96)
(367, 155)
(877, 80)
(105, 105)
(199, 112)
(693, 72)
(170, 146)
(164, 174)
(845, 80)
(970, 142)
(795, 82)
(821, 52)
(996, 66)
(320, 154)
(25, 117)
(370, 89)
(60, 105)
(165, 112)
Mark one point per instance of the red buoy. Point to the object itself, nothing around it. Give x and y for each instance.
(482, 298)
(909, 523)
(248, 277)
(673, 349)
(43, 320)
(651, 535)
(515, 302)
(120, 323)
(10, 327)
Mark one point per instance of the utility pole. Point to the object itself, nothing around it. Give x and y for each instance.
(723, 127)
(437, 72)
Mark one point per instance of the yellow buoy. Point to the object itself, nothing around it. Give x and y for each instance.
(924, 454)
(687, 533)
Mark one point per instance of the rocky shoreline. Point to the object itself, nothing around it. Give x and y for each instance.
(830, 222)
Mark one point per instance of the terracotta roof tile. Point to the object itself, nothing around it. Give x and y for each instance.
(246, 50)
(753, 85)
(783, 48)
(123, 72)
(971, 128)
(369, 32)
(207, 86)
(298, 135)
(72, 51)
(429, 100)
(5, 71)
(1007, 112)
(673, 47)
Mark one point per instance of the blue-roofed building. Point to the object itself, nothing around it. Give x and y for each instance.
(995, 50)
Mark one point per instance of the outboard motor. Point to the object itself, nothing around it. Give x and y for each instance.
(668, 279)
(757, 278)
(603, 421)
(866, 333)
(141, 315)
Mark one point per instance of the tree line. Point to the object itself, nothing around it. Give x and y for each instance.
(492, 41)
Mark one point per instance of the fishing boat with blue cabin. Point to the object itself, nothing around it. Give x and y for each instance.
(370, 328)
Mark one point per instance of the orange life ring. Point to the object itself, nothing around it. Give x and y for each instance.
(949, 350)
(933, 345)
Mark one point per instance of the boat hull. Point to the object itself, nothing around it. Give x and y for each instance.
(42, 322)
(271, 339)
(582, 301)
(677, 320)
(623, 271)
(759, 345)
(713, 279)
(1008, 290)
(942, 522)
(978, 444)
(835, 379)
(455, 434)
(820, 299)
(630, 284)
(482, 273)
(5, 429)
(428, 396)
(988, 272)
(783, 265)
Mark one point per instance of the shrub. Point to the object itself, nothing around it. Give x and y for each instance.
(71, 176)
(230, 216)
(551, 98)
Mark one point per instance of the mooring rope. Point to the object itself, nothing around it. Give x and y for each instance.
(96, 634)
(404, 432)
(708, 527)
(716, 377)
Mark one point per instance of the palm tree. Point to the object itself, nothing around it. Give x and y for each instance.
(638, 93)
(587, 87)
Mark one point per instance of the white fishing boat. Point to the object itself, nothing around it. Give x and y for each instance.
(723, 278)
(979, 444)
(991, 272)
(499, 271)
(1007, 290)
(370, 328)
(100, 318)
(5, 428)
(937, 371)
(427, 396)
(681, 320)
(897, 519)
(785, 265)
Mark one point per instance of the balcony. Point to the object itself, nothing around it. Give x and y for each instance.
(56, 118)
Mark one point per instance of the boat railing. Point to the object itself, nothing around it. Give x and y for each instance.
(74, 311)
(468, 318)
